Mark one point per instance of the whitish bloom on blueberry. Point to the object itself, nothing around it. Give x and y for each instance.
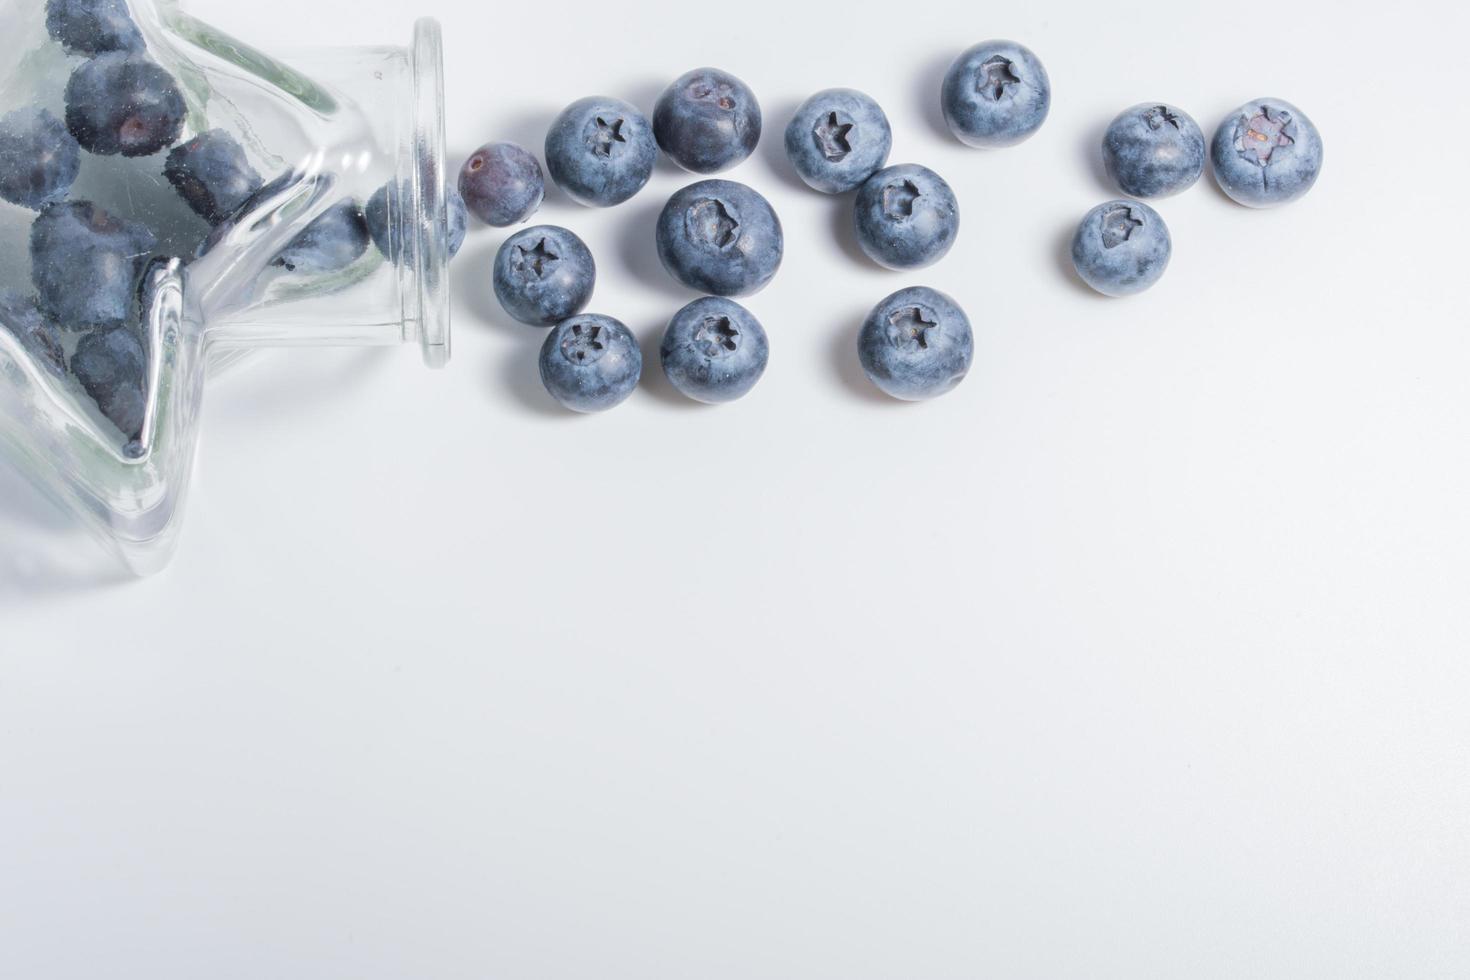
(995, 94)
(1153, 150)
(720, 237)
(543, 275)
(906, 217)
(837, 139)
(1266, 153)
(601, 151)
(1121, 248)
(714, 350)
(590, 363)
(916, 344)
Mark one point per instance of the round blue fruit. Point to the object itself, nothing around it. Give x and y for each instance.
(112, 367)
(838, 139)
(501, 184)
(544, 275)
(916, 344)
(1154, 150)
(995, 94)
(720, 237)
(39, 159)
(86, 264)
(335, 239)
(714, 350)
(600, 151)
(383, 209)
(590, 363)
(20, 315)
(907, 217)
(1121, 248)
(93, 26)
(122, 103)
(1266, 153)
(212, 174)
(707, 121)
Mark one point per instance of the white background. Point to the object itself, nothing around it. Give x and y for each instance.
(1143, 654)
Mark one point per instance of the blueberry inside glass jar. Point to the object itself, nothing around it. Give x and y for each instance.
(180, 198)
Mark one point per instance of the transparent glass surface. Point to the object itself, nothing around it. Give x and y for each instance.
(325, 130)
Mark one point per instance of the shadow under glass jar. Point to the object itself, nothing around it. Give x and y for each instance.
(330, 135)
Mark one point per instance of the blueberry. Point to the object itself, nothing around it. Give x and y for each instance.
(544, 275)
(380, 216)
(1154, 150)
(456, 220)
(502, 184)
(916, 344)
(1266, 153)
(707, 121)
(1121, 248)
(838, 139)
(212, 174)
(86, 264)
(714, 350)
(93, 26)
(335, 239)
(123, 103)
(995, 94)
(590, 363)
(113, 369)
(600, 151)
(39, 159)
(907, 217)
(20, 315)
(720, 237)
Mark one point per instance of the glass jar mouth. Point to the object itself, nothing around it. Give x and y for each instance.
(430, 322)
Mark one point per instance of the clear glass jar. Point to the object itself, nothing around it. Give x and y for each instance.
(324, 129)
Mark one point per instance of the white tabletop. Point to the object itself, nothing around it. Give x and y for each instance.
(1143, 654)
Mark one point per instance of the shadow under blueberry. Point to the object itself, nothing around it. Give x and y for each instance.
(1092, 156)
(471, 277)
(929, 85)
(637, 250)
(653, 380)
(516, 371)
(772, 148)
(842, 353)
(644, 95)
(844, 230)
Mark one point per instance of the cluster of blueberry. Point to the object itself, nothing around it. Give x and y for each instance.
(90, 267)
(719, 237)
(724, 239)
(1265, 153)
(716, 236)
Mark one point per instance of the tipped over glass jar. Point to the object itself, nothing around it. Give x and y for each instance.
(171, 198)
